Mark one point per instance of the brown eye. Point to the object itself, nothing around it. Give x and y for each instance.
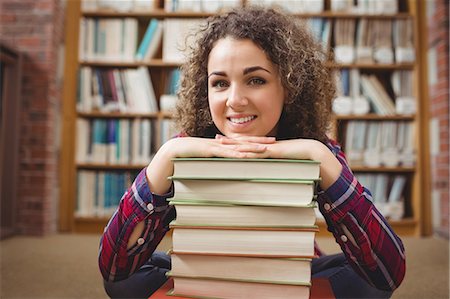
(219, 84)
(256, 81)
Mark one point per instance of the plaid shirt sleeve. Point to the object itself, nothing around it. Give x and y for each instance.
(138, 204)
(365, 237)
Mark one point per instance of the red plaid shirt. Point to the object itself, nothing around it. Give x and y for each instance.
(367, 240)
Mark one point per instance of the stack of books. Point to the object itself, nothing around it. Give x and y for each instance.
(245, 228)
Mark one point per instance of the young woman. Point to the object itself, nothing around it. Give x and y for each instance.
(254, 86)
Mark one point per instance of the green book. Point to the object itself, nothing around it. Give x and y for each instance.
(267, 192)
(217, 214)
(227, 168)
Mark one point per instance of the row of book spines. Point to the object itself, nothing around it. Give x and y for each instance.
(111, 90)
(375, 144)
(99, 192)
(299, 6)
(395, 96)
(116, 90)
(297, 283)
(303, 228)
(114, 141)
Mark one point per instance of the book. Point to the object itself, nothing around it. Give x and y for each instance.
(227, 168)
(210, 288)
(320, 288)
(249, 192)
(149, 35)
(248, 241)
(194, 213)
(251, 269)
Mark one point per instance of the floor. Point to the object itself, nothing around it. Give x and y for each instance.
(65, 266)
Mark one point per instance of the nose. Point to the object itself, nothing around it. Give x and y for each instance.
(236, 97)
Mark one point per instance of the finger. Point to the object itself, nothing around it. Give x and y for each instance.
(252, 148)
(256, 139)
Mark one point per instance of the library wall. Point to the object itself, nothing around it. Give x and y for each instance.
(438, 76)
(35, 28)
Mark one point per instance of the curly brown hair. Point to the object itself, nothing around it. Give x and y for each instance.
(291, 48)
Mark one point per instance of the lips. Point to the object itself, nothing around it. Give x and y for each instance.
(241, 120)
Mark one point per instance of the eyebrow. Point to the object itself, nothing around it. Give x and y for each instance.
(245, 72)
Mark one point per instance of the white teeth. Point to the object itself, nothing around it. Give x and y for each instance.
(241, 120)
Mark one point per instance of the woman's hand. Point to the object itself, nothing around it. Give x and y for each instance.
(330, 167)
(161, 165)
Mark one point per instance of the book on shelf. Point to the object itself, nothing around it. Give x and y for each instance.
(178, 38)
(383, 50)
(403, 40)
(100, 39)
(116, 90)
(256, 269)
(387, 192)
(227, 168)
(151, 41)
(98, 192)
(402, 85)
(244, 191)
(206, 6)
(364, 42)
(365, 6)
(244, 241)
(299, 6)
(320, 288)
(380, 100)
(344, 40)
(380, 143)
(118, 5)
(114, 141)
(218, 288)
(197, 213)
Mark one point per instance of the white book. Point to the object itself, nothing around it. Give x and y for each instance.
(207, 288)
(116, 5)
(178, 38)
(146, 135)
(135, 141)
(147, 85)
(82, 141)
(144, 5)
(395, 201)
(372, 150)
(124, 141)
(129, 38)
(89, 5)
(271, 270)
(292, 242)
(155, 42)
(248, 192)
(213, 214)
(168, 102)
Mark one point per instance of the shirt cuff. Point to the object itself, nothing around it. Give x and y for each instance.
(147, 200)
(341, 196)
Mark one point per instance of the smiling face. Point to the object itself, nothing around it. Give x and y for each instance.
(245, 93)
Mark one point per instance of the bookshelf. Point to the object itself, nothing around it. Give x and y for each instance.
(415, 220)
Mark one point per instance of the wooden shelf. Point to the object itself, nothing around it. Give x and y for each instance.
(383, 169)
(371, 66)
(100, 166)
(165, 64)
(119, 115)
(160, 13)
(372, 116)
(157, 63)
(404, 227)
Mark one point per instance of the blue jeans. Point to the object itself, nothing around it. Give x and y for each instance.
(345, 282)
